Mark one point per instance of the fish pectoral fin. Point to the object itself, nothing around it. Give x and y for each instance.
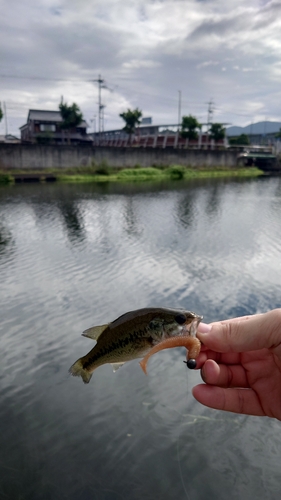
(94, 332)
(115, 366)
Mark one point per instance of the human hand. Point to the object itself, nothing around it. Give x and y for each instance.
(240, 363)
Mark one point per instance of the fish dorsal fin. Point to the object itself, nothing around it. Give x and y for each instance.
(116, 366)
(94, 332)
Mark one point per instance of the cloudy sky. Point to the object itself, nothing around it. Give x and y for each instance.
(146, 51)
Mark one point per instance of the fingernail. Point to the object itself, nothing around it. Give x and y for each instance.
(204, 328)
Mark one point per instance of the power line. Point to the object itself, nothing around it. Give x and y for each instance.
(42, 78)
(122, 88)
(196, 106)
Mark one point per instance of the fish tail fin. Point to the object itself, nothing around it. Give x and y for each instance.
(77, 370)
(143, 365)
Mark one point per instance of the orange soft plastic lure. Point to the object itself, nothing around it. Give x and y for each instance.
(192, 344)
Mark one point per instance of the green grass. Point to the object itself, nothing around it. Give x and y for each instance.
(241, 172)
(83, 178)
(175, 172)
(139, 174)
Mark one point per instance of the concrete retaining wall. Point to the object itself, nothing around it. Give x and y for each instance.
(33, 156)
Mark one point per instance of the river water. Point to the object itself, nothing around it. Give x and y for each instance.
(72, 256)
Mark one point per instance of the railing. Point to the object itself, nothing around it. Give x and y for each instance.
(162, 141)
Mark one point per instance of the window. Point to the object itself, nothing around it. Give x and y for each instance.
(47, 127)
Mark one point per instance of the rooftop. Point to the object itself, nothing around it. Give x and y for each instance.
(259, 128)
(48, 116)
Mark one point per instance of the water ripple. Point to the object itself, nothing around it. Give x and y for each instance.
(75, 256)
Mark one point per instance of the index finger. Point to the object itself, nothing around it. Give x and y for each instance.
(248, 333)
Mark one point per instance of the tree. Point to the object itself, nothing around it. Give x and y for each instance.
(240, 140)
(217, 131)
(189, 127)
(44, 138)
(131, 118)
(71, 115)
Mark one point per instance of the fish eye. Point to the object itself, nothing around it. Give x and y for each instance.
(180, 319)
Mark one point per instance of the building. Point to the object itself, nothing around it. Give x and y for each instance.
(155, 136)
(141, 130)
(260, 133)
(45, 127)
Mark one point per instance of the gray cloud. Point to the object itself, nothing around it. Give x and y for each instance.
(147, 51)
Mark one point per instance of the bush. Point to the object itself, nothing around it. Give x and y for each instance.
(5, 179)
(102, 168)
(44, 138)
(240, 140)
(176, 172)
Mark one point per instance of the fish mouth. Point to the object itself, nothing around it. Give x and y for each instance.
(191, 327)
(195, 321)
(195, 318)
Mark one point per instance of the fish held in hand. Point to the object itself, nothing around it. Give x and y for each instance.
(138, 334)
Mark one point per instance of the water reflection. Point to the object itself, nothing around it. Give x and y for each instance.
(131, 220)
(186, 207)
(213, 201)
(7, 243)
(209, 246)
(74, 222)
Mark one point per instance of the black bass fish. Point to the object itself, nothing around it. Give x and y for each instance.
(134, 334)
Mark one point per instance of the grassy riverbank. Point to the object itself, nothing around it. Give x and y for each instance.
(137, 174)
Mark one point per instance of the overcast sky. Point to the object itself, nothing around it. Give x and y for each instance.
(146, 51)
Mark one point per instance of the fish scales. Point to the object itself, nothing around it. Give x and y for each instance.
(133, 335)
(131, 342)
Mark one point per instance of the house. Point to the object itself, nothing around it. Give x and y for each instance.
(45, 127)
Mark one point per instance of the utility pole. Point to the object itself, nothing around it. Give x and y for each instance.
(93, 123)
(210, 112)
(6, 121)
(101, 84)
(179, 110)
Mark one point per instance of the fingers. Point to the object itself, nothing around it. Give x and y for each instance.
(223, 375)
(205, 327)
(235, 400)
(228, 358)
(248, 333)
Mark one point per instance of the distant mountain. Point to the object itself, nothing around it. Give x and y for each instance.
(230, 131)
(260, 128)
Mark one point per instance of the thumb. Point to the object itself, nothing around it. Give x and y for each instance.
(248, 333)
